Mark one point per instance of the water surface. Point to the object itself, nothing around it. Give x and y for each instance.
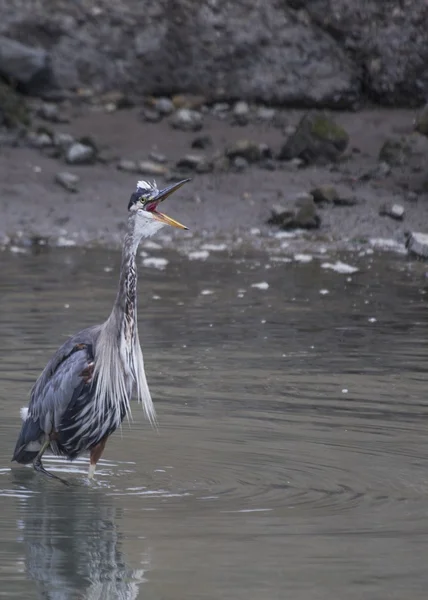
(290, 459)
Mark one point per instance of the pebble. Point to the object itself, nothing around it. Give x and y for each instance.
(129, 166)
(51, 112)
(265, 114)
(395, 211)
(164, 106)
(67, 180)
(186, 119)
(191, 161)
(241, 112)
(151, 115)
(202, 142)
(63, 140)
(417, 244)
(80, 154)
(158, 157)
(148, 167)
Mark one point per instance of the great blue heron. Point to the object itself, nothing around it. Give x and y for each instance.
(84, 392)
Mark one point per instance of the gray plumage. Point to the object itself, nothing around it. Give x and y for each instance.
(84, 392)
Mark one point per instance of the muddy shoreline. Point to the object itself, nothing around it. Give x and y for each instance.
(217, 205)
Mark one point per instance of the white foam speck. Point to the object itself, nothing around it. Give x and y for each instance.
(303, 258)
(66, 306)
(324, 292)
(372, 320)
(214, 247)
(255, 231)
(282, 259)
(206, 292)
(198, 255)
(65, 242)
(285, 234)
(344, 391)
(17, 250)
(263, 285)
(156, 262)
(108, 269)
(156, 297)
(388, 244)
(340, 267)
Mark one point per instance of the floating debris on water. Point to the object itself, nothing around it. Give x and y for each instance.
(263, 285)
(340, 267)
(198, 255)
(388, 244)
(214, 247)
(303, 258)
(65, 242)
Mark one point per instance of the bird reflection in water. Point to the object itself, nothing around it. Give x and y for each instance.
(73, 546)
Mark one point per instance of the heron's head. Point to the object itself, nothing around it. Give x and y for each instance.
(144, 204)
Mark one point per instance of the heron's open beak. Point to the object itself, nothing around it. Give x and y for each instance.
(161, 196)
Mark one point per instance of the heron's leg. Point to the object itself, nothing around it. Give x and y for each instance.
(95, 456)
(38, 465)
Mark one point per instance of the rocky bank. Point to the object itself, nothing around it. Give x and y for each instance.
(284, 124)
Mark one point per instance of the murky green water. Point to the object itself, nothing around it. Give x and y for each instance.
(290, 461)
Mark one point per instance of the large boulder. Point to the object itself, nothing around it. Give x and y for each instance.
(253, 50)
(387, 39)
(316, 53)
(318, 139)
(23, 66)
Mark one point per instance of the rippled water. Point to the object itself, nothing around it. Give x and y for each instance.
(290, 460)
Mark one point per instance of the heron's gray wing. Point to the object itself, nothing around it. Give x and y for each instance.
(66, 379)
(52, 395)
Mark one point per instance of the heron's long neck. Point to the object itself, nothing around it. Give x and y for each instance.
(125, 307)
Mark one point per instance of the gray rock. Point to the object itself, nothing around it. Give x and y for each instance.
(251, 151)
(239, 164)
(281, 216)
(151, 115)
(187, 120)
(202, 142)
(395, 211)
(220, 108)
(317, 139)
(164, 106)
(148, 167)
(195, 162)
(304, 216)
(129, 166)
(51, 112)
(63, 140)
(325, 194)
(158, 157)
(68, 181)
(40, 140)
(80, 154)
(265, 114)
(388, 40)
(268, 164)
(421, 124)
(417, 244)
(321, 53)
(27, 66)
(395, 151)
(14, 112)
(241, 113)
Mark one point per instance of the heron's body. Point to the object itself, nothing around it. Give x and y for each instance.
(84, 392)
